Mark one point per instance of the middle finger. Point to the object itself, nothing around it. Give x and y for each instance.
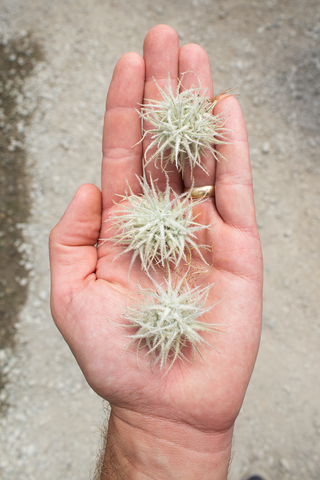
(194, 60)
(161, 54)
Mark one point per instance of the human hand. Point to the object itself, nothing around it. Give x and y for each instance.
(193, 407)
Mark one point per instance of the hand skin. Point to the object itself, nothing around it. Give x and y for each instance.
(177, 425)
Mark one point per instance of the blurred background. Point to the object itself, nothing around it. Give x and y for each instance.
(56, 62)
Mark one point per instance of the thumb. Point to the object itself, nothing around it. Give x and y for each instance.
(73, 255)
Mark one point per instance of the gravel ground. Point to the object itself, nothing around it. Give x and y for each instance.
(270, 50)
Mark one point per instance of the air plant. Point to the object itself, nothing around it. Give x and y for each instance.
(160, 229)
(183, 123)
(166, 320)
(157, 226)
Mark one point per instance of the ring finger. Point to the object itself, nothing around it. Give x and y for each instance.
(195, 62)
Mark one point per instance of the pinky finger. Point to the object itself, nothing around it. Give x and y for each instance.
(233, 185)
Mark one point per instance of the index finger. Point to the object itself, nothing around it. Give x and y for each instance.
(122, 130)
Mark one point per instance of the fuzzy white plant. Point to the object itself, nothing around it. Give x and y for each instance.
(183, 122)
(166, 320)
(157, 226)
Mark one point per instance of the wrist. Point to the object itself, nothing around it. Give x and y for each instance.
(141, 447)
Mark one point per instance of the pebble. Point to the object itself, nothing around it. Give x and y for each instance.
(266, 147)
(285, 464)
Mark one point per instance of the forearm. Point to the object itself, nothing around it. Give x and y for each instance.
(142, 448)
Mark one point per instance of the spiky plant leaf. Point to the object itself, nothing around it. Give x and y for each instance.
(166, 320)
(183, 123)
(157, 226)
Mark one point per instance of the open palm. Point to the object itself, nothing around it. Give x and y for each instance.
(89, 289)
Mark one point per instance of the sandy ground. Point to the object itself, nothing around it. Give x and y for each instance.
(270, 50)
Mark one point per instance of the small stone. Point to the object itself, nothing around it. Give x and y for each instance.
(285, 464)
(256, 101)
(43, 294)
(271, 461)
(266, 147)
(287, 389)
(65, 143)
(36, 303)
(270, 323)
(3, 355)
(31, 450)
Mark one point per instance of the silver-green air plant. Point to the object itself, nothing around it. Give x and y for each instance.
(166, 320)
(183, 126)
(158, 227)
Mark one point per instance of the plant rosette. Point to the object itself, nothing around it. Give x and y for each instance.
(158, 227)
(185, 124)
(166, 319)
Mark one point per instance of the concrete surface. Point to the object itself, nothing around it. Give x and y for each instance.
(270, 50)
